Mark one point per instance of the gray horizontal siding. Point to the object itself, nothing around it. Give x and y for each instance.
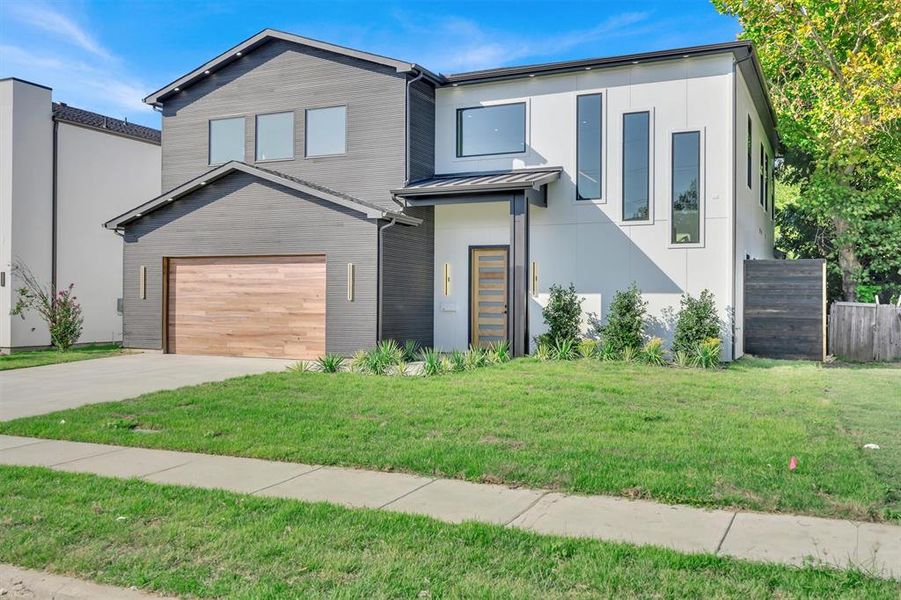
(408, 279)
(242, 215)
(281, 76)
(422, 130)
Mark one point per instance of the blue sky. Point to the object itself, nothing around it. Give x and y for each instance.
(107, 55)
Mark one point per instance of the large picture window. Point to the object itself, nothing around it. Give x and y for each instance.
(275, 136)
(589, 146)
(686, 197)
(636, 166)
(484, 130)
(226, 140)
(326, 131)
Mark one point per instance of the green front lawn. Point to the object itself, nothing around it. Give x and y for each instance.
(710, 438)
(37, 358)
(213, 544)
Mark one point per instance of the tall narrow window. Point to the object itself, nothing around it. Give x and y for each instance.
(762, 192)
(772, 192)
(636, 166)
(326, 131)
(484, 130)
(226, 140)
(275, 136)
(766, 182)
(750, 145)
(686, 215)
(588, 147)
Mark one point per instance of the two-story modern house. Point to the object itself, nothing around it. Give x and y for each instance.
(320, 198)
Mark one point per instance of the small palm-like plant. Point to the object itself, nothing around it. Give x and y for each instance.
(564, 349)
(499, 352)
(330, 363)
(432, 362)
(607, 352)
(457, 361)
(475, 358)
(652, 353)
(707, 354)
(588, 348)
(682, 358)
(302, 366)
(383, 357)
(628, 354)
(409, 350)
(542, 351)
(359, 362)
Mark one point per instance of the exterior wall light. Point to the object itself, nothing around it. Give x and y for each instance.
(142, 282)
(534, 279)
(446, 279)
(350, 282)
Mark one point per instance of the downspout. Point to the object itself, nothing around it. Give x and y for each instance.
(53, 208)
(735, 64)
(378, 308)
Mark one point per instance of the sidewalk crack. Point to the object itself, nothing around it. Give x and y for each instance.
(416, 489)
(313, 470)
(526, 509)
(725, 533)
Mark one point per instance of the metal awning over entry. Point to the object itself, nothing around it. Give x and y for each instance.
(482, 186)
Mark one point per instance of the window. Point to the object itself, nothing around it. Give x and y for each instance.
(686, 176)
(636, 166)
(326, 131)
(226, 140)
(750, 145)
(762, 192)
(485, 130)
(766, 183)
(588, 147)
(772, 192)
(275, 136)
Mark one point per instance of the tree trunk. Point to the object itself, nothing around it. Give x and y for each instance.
(847, 260)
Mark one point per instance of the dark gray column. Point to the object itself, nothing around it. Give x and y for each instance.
(518, 318)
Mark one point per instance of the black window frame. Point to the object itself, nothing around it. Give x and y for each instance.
(601, 153)
(672, 212)
(750, 146)
(459, 129)
(647, 182)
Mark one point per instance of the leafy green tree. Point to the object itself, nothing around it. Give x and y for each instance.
(563, 314)
(834, 71)
(625, 323)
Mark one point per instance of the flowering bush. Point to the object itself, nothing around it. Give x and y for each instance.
(59, 310)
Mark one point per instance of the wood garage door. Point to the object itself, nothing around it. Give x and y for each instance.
(271, 306)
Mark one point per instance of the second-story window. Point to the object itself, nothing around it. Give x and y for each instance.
(636, 166)
(588, 147)
(275, 136)
(226, 140)
(326, 131)
(484, 130)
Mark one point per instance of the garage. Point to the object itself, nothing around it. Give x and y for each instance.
(265, 306)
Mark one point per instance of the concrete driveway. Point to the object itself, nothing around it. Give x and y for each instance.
(39, 390)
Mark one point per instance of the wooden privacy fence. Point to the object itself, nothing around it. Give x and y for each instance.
(865, 332)
(785, 308)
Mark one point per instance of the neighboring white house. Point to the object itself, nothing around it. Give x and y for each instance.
(63, 171)
(631, 137)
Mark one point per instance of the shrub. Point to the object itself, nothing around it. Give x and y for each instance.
(302, 366)
(564, 349)
(380, 359)
(457, 361)
(682, 359)
(499, 352)
(542, 351)
(652, 353)
(401, 368)
(59, 310)
(330, 363)
(628, 354)
(626, 320)
(358, 363)
(607, 352)
(475, 358)
(432, 362)
(588, 348)
(563, 314)
(707, 353)
(409, 350)
(696, 322)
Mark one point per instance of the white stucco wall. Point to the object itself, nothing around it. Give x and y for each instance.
(26, 151)
(100, 175)
(587, 243)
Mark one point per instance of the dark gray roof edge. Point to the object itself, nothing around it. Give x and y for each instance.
(489, 173)
(268, 34)
(80, 117)
(370, 210)
(25, 81)
(413, 190)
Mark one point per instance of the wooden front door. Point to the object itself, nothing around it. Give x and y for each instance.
(488, 296)
(270, 306)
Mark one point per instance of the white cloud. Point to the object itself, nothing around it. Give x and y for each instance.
(46, 19)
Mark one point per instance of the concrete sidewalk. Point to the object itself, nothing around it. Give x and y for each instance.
(25, 583)
(786, 539)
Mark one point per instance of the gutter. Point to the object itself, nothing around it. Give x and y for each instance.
(735, 64)
(379, 285)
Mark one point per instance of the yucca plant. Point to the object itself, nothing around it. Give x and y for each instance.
(432, 362)
(652, 353)
(588, 348)
(401, 368)
(475, 358)
(707, 353)
(302, 366)
(457, 361)
(542, 351)
(564, 349)
(409, 350)
(330, 363)
(499, 352)
(628, 354)
(359, 362)
(682, 358)
(607, 352)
